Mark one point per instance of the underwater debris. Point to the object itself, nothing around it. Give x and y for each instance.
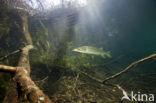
(153, 56)
(93, 51)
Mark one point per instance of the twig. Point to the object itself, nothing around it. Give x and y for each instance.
(76, 79)
(95, 79)
(14, 52)
(40, 4)
(42, 80)
(130, 67)
(108, 84)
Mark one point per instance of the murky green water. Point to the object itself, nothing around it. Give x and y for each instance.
(125, 28)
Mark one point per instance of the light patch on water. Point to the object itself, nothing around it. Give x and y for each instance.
(47, 4)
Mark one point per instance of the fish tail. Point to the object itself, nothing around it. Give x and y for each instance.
(107, 54)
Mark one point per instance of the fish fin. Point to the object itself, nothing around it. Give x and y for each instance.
(92, 56)
(108, 54)
(104, 55)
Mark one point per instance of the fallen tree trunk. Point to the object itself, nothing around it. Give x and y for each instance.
(22, 78)
(22, 87)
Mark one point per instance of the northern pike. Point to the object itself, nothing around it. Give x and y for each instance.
(93, 51)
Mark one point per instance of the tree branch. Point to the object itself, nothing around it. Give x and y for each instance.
(24, 58)
(10, 69)
(120, 73)
(14, 52)
(29, 88)
(108, 84)
(22, 77)
(129, 67)
(22, 85)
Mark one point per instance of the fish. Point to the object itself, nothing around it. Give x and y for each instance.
(92, 51)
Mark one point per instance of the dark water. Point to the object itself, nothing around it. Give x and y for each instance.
(126, 28)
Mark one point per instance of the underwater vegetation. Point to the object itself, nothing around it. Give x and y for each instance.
(97, 53)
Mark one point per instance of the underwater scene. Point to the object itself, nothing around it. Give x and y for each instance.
(77, 51)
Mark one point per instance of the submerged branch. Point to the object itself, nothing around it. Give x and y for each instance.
(14, 52)
(91, 77)
(29, 88)
(129, 67)
(26, 32)
(23, 79)
(4, 68)
(120, 73)
(24, 58)
(108, 84)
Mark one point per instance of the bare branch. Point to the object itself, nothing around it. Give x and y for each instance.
(22, 77)
(108, 84)
(130, 67)
(95, 79)
(14, 52)
(120, 73)
(29, 88)
(4, 68)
